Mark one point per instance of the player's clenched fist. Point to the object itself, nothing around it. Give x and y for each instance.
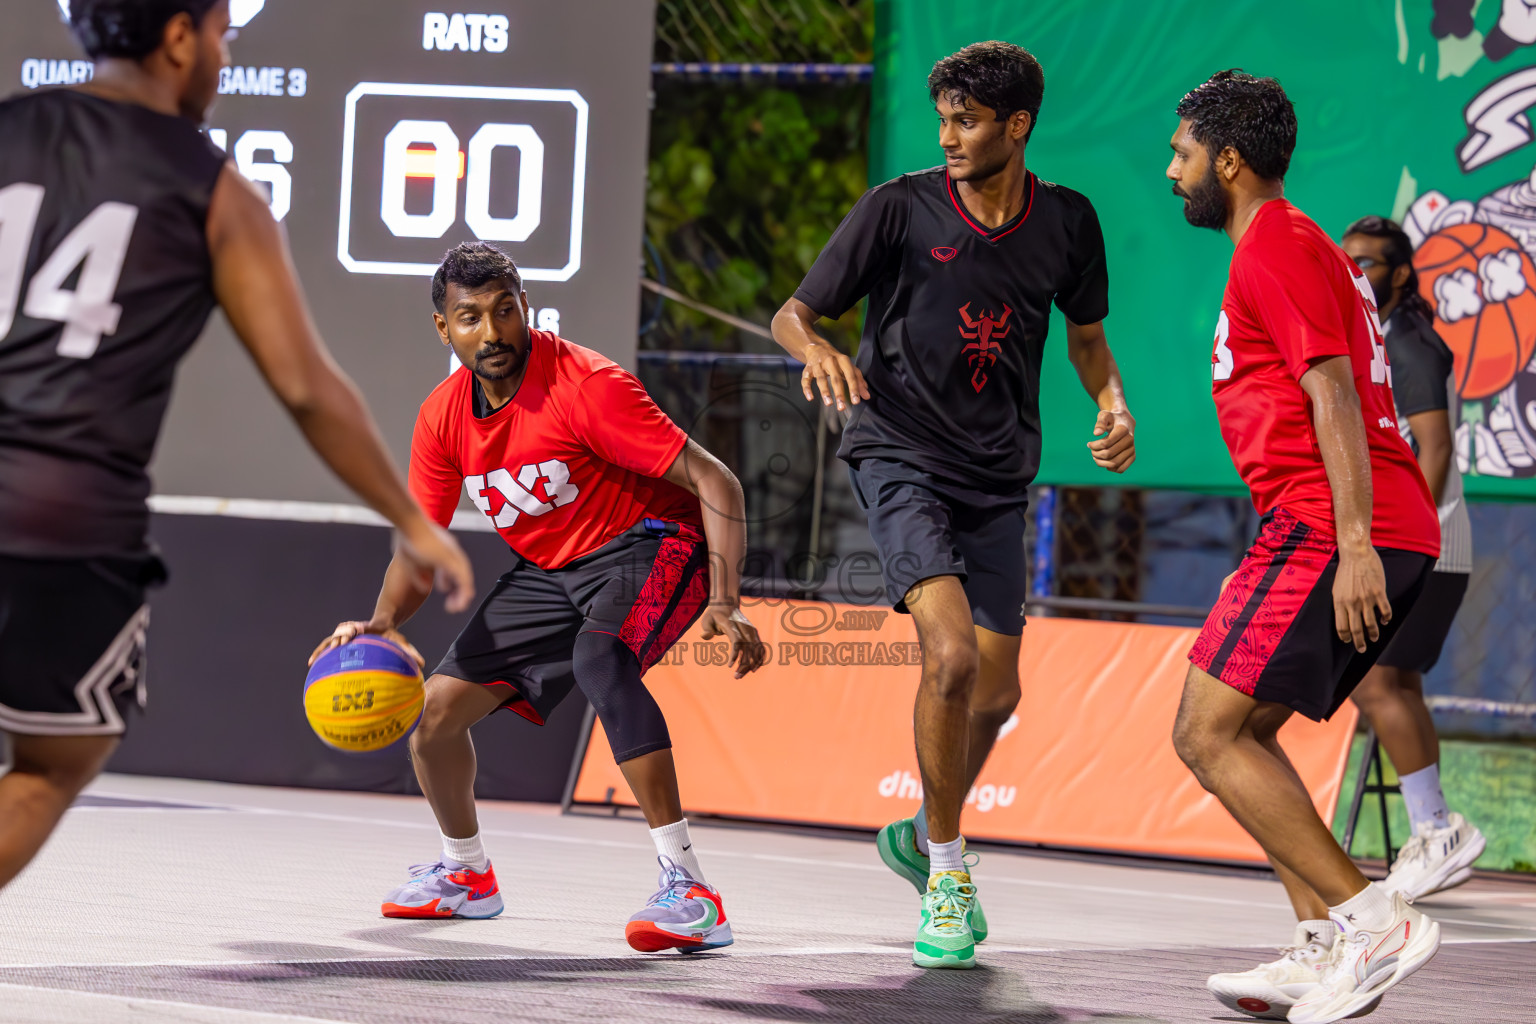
(1115, 448)
(834, 375)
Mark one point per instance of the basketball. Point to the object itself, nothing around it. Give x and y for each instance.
(363, 696)
(1482, 286)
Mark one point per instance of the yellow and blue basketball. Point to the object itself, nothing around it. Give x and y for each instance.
(363, 696)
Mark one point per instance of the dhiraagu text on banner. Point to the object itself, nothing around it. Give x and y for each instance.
(1406, 108)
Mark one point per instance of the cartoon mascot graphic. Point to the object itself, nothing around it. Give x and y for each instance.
(1475, 270)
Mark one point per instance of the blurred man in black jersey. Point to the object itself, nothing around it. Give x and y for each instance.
(1444, 844)
(121, 227)
(961, 265)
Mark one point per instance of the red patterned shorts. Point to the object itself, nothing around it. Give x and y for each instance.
(646, 586)
(1271, 634)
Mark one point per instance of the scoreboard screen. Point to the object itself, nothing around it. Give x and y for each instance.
(385, 132)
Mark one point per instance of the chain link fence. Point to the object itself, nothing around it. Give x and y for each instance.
(802, 31)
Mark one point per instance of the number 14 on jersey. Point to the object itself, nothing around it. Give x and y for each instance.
(97, 246)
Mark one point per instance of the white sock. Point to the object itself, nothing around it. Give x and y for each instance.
(1321, 932)
(673, 843)
(1426, 803)
(468, 852)
(946, 856)
(920, 828)
(1371, 909)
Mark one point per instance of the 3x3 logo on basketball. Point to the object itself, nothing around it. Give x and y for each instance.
(352, 701)
(539, 487)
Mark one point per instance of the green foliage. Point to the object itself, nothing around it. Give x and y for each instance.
(746, 181)
(746, 184)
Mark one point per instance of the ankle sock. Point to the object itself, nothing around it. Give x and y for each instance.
(468, 852)
(673, 843)
(920, 828)
(946, 856)
(1321, 932)
(1371, 909)
(1426, 803)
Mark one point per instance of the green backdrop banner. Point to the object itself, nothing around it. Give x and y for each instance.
(1398, 115)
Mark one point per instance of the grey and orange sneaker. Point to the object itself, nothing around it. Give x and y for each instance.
(684, 914)
(897, 843)
(445, 889)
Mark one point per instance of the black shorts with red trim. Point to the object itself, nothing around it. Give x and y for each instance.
(646, 587)
(1271, 634)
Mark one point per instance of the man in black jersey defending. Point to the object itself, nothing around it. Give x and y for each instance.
(961, 264)
(121, 227)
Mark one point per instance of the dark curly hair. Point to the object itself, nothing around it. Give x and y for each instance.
(1252, 115)
(473, 265)
(130, 29)
(1399, 252)
(993, 74)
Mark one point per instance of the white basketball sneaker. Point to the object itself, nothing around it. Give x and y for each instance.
(1365, 964)
(1270, 990)
(1436, 860)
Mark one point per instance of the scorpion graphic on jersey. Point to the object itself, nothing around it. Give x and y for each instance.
(985, 329)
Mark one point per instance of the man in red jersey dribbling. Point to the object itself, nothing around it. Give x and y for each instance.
(625, 531)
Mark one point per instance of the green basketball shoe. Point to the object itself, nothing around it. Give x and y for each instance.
(897, 843)
(944, 938)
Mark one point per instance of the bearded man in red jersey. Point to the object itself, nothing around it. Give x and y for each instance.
(1348, 537)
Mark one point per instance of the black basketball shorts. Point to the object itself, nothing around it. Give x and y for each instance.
(1271, 634)
(72, 638)
(922, 532)
(646, 587)
(1417, 645)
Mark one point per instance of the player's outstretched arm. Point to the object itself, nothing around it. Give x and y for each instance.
(725, 528)
(1088, 349)
(255, 282)
(1360, 586)
(833, 372)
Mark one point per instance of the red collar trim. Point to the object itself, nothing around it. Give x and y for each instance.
(1029, 204)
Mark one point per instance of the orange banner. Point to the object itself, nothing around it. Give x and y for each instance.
(823, 735)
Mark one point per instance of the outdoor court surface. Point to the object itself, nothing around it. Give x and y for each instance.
(167, 900)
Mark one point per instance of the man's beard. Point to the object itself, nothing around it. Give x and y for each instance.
(1205, 206)
(513, 368)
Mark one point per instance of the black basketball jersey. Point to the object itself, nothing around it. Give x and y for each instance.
(955, 330)
(105, 282)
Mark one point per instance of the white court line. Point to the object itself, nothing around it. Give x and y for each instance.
(670, 957)
(773, 857)
(157, 810)
(807, 861)
(1482, 924)
(235, 1013)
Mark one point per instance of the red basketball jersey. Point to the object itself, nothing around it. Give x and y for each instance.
(1293, 299)
(571, 462)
